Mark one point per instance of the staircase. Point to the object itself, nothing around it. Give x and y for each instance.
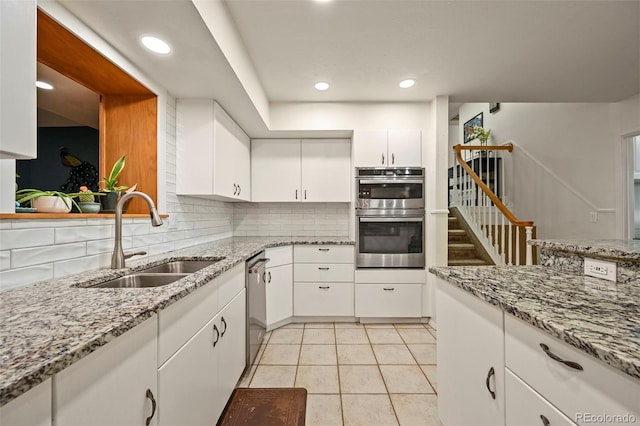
(464, 249)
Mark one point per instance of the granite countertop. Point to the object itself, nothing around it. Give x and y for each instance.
(622, 250)
(598, 317)
(47, 326)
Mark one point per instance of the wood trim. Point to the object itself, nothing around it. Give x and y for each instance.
(130, 129)
(496, 201)
(63, 51)
(36, 216)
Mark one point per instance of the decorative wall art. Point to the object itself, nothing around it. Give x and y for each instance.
(469, 125)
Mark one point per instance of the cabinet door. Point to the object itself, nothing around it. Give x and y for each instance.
(232, 355)
(370, 148)
(194, 147)
(110, 386)
(188, 381)
(243, 168)
(32, 408)
(18, 70)
(405, 148)
(279, 294)
(227, 159)
(275, 170)
(470, 359)
(326, 170)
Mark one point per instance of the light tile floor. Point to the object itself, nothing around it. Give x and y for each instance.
(355, 374)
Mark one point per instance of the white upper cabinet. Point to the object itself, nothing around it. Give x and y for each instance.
(17, 85)
(310, 170)
(392, 148)
(213, 153)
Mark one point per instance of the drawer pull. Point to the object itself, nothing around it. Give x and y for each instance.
(389, 289)
(323, 249)
(269, 275)
(217, 335)
(153, 407)
(225, 327)
(323, 269)
(324, 287)
(555, 357)
(491, 372)
(545, 421)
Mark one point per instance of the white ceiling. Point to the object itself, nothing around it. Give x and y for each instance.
(473, 51)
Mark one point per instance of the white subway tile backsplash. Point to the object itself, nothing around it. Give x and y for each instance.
(106, 246)
(5, 260)
(83, 233)
(22, 238)
(46, 254)
(74, 266)
(47, 223)
(24, 276)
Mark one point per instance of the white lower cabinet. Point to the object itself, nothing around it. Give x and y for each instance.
(196, 382)
(470, 355)
(115, 385)
(323, 299)
(279, 294)
(32, 408)
(525, 407)
(388, 300)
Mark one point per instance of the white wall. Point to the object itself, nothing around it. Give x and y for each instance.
(564, 164)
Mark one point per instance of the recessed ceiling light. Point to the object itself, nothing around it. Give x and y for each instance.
(156, 45)
(43, 85)
(405, 84)
(322, 86)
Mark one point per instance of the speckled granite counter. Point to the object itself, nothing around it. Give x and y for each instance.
(47, 326)
(610, 249)
(598, 317)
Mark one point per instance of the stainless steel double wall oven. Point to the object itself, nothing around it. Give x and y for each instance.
(390, 218)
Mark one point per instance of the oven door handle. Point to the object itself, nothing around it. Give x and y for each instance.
(389, 179)
(391, 219)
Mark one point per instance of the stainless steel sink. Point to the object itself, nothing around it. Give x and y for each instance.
(141, 280)
(181, 266)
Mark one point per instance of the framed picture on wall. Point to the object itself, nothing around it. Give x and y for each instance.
(469, 125)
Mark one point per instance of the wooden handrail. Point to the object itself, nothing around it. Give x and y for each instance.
(509, 147)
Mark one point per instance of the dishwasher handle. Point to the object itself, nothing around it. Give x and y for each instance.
(257, 263)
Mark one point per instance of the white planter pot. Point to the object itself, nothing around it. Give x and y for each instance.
(51, 204)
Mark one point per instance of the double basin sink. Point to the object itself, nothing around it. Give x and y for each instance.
(157, 276)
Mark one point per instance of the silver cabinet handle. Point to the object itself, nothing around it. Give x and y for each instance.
(269, 277)
(545, 421)
(305, 194)
(323, 249)
(217, 335)
(323, 268)
(382, 158)
(296, 194)
(389, 288)
(491, 372)
(239, 189)
(393, 158)
(325, 287)
(153, 407)
(555, 357)
(235, 189)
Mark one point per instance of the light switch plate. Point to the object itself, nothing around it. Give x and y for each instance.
(600, 269)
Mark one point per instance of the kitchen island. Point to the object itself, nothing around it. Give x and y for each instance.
(597, 320)
(48, 326)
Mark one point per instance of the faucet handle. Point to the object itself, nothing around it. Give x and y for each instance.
(137, 253)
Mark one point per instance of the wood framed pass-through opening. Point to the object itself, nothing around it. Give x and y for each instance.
(128, 109)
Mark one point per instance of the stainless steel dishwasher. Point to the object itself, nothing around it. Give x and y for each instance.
(256, 305)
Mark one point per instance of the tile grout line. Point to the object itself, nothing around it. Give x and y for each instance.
(384, 382)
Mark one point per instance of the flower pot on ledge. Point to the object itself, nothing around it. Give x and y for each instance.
(110, 200)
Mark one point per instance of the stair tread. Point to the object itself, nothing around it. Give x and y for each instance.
(462, 245)
(467, 262)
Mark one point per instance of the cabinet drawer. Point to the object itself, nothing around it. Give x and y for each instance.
(323, 299)
(388, 300)
(596, 389)
(526, 407)
(323, 272)
(229, 285)
(178, 322)
(323, 254)
(279, 256)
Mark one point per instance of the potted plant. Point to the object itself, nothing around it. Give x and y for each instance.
(481, 134)
(111, 188)
(49, 201)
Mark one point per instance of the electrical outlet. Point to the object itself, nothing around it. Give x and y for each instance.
(600, 269)
(593, 217)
